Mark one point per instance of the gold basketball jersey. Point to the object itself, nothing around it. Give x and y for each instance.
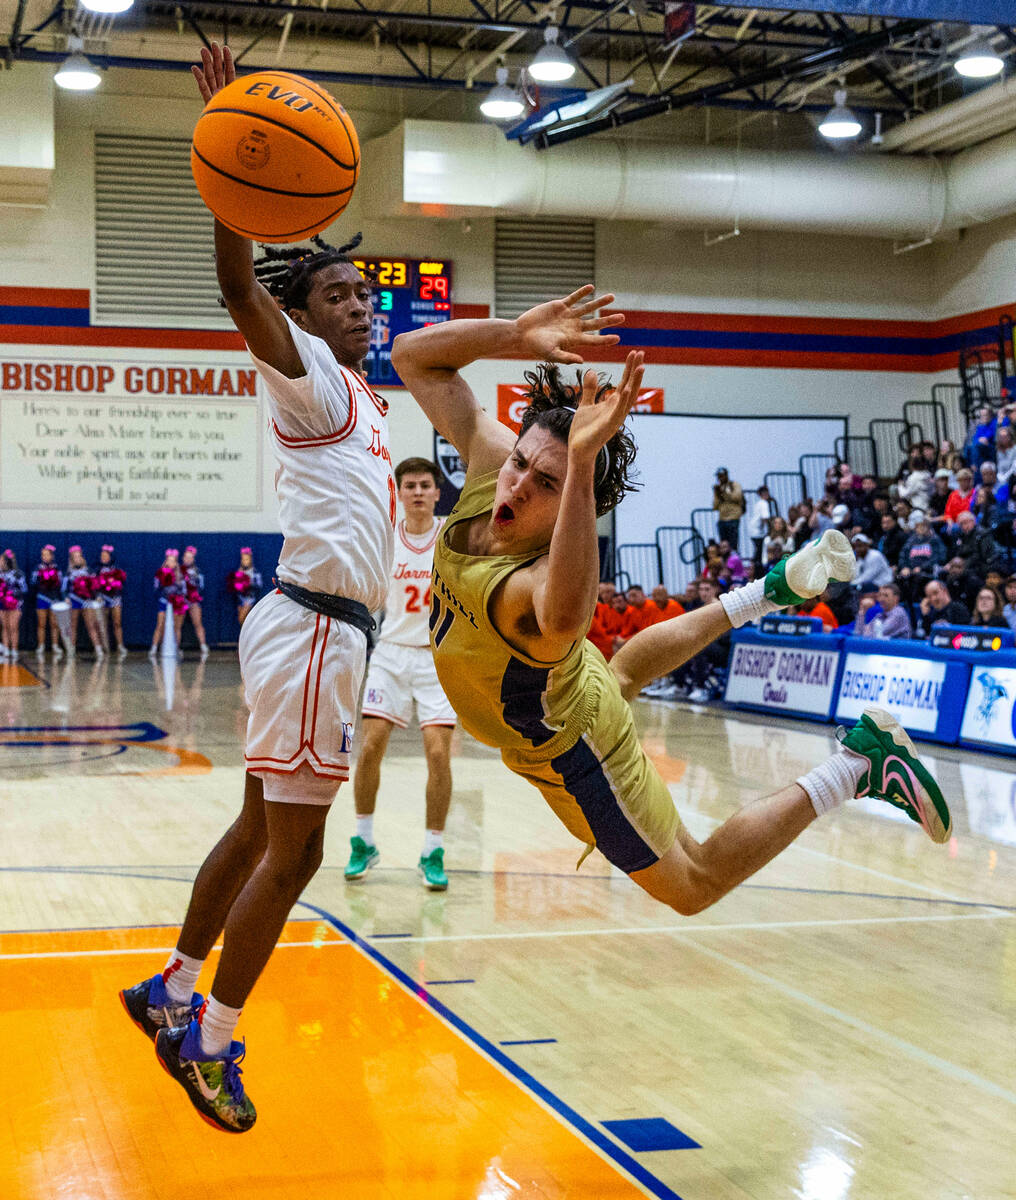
(503, 697)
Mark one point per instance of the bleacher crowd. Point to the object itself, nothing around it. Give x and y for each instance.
(935, 544)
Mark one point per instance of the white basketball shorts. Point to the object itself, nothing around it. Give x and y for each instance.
(397, 676)
(301, 677)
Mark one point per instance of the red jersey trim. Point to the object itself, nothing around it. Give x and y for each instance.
(411, 546)
(356, 381)
(324, 439)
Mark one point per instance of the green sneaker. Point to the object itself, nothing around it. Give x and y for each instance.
(212, 1083)
(433, 872)
(807, 573)
(361, 858)
(895, 773)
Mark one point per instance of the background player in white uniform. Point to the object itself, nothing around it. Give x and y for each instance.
(306, 319)
(402, 671)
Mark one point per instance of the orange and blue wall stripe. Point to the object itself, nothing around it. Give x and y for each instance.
(61, 316)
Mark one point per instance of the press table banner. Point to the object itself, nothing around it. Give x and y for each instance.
(989, 717)
(784, 673)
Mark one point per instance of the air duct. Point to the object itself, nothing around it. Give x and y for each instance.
(440, 169)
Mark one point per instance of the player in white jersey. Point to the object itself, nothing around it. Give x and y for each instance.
(306, 318)
(402, 671)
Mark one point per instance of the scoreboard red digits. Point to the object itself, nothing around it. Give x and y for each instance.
(410, 294)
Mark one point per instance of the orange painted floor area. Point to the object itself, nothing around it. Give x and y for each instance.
(361, 1090)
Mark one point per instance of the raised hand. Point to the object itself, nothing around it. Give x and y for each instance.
(594, 424)
(216, 70)
(558, 330)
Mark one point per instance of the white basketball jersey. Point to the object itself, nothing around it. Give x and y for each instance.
(407, 609)
(334, 482)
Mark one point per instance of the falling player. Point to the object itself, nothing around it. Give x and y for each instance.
(402, 671)
(305, 315)
(514, 587)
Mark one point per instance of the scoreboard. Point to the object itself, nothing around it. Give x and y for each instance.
(408, 294)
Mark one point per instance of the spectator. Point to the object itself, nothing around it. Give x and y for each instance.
(665, 605)
(917, 487)
(929, 456)
(891, 621)
(733, 563)
(939, 498)
(986, 511)
(946, 453)
(728, 501)
(923, 552)
(639, 615)
(774, 552)
(963, 498)
(892, 540)
(872, 566)
(842, 517)
(800, 525)
(778, 532)
(939, 608)
(962, 583)
(1009, 608)
(605, 592)
(989, 477)
(988, 609)
(1005, 454)
(982, 440)
(700, 673)
(976, 545)
(691, 599)
(821, 518)
(816, 608)
(619, 605)
(758, 522)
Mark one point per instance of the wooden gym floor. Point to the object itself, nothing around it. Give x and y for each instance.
(841, 1028)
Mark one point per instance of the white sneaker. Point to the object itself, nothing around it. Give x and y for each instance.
(99, 652)
(57, 652)
(14, 656)
(204, 650)
(40, 651)
(153, 651)
(122, 652)
(669, 692)
(699, 696)
(807, 573)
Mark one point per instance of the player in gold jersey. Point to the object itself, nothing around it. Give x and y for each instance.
(515, 578)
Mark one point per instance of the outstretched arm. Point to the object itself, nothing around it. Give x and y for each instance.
(429, 360)
(254, 311)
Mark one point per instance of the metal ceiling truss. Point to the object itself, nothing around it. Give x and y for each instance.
(748, 59)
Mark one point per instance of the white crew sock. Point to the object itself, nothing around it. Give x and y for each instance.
(180, 974)
(835, 781)
(217, 1024)
(746, 604)
(433, 840)
(365, 828)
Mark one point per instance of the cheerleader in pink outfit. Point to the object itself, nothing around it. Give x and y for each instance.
(48, 584)
(80, 590)
(110, 580)
(194, 582)
(245, 583)
(169, 583)
(12, 595)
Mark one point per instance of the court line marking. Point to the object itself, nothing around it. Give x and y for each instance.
(583, 1129)
(732, 927)
(944, 1066)
(112, 953)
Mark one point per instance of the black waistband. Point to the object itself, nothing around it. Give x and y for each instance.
(342, 609)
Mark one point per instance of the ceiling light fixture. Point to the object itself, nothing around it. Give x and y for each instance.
(551, 64)
(107, 7)
(839, 121)
(76, 73)
(501, 103)
(979, 60)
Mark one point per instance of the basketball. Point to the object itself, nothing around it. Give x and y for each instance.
(275, 157)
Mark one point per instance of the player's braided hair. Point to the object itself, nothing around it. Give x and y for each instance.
(287, 272)
(552, 404)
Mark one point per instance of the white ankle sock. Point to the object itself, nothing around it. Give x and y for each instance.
(433, 840)
(365, 828)
(217, 1024)
(748, 603)
(180, 974)
(834, 782)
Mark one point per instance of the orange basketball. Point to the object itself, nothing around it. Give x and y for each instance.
(275, 157)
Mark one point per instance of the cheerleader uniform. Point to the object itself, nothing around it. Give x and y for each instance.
(109, 581)
(48, 583)
(14, 587)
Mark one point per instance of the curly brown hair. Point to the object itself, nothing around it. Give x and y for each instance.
(552, 405)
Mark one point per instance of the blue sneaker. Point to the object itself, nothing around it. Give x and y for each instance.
(212, 1082)
(148, 1005)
